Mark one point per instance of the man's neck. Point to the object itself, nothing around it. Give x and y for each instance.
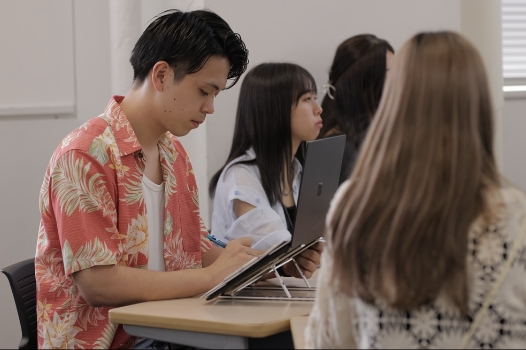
(140, 112)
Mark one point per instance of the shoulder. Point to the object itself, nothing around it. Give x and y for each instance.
(502, 223)
(514, 217)
(82, 137)
(506, 203)
(513, 197)
(239, 168)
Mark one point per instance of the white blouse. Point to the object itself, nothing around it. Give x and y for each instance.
(340, 321)
(266, 224)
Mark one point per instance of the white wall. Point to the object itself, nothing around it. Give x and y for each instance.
(40, 55)
(514, 140)
(479, 18)
(306, 32)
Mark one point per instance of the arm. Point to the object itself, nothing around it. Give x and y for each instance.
(211, 256)
(241, 185)
(330, 322)
(308, 260)
(121, 285)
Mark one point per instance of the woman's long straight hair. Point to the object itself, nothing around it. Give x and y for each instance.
(263, 121)
(357, 74)
(400, 231)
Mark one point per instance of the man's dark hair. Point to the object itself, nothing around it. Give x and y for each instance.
(186, 40)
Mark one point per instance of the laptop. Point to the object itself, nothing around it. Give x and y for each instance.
(319, 182)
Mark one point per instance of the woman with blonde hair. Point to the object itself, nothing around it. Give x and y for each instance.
(426, 244)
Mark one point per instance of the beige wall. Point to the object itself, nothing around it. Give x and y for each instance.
(514, 140)
(302, 31)
(308, 32)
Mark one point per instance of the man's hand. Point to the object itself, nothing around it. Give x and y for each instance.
(235, 255)
(114, 285)
(308, 261)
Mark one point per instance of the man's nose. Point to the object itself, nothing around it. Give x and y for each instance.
(208, 108)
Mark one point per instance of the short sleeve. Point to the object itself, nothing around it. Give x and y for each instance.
(263, 224)
(83, 195)
(245, 186)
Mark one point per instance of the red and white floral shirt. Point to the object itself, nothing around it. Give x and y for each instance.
(93, 213)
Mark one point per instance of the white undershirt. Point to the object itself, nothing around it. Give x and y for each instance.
(154, 200)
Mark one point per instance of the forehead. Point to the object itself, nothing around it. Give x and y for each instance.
(214, 72)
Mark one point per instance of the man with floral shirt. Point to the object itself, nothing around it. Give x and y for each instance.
(98, 226)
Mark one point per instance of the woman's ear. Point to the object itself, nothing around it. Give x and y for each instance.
(161, 71)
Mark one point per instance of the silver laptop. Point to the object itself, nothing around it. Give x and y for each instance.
(320, 180)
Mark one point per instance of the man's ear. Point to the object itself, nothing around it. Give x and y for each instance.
(161, 72)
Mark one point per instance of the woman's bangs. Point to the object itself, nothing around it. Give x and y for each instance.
(303, 84)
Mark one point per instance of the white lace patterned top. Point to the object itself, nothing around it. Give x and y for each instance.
(266, 224)
(340, 321)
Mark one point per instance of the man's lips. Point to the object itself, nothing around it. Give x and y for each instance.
(196, 123)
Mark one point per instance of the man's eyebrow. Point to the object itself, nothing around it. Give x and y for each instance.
(214, 86)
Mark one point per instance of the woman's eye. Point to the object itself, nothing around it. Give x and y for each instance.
(203, 92)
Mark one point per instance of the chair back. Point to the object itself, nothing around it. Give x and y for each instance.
(21, 277)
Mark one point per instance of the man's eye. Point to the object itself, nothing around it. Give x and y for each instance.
(203, 92)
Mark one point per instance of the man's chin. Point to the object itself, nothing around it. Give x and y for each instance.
(180, 133)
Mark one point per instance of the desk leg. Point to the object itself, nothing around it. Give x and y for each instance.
(189, 338)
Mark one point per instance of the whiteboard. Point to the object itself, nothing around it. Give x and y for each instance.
(37, 60)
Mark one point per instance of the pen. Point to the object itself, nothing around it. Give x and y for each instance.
(216, 241)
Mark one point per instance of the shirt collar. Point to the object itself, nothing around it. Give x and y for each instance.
(125, 137)
(251, 154)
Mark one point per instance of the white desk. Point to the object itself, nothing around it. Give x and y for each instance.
(297, 328)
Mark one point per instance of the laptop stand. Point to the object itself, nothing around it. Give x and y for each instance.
(250, 290)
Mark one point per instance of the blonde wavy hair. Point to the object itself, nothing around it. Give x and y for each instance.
(400, 232)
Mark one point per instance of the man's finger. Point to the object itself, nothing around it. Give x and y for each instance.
(318, 247)
(312, 255)
(246, 241)
(306, 264)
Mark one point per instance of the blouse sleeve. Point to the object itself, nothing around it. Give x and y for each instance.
(262, 224)
(330, 324)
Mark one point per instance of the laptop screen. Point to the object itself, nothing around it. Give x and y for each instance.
(319, 182)
(320, 178)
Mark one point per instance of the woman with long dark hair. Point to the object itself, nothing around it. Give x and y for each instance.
(426, 244)
(255, 192)
(356, 81)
